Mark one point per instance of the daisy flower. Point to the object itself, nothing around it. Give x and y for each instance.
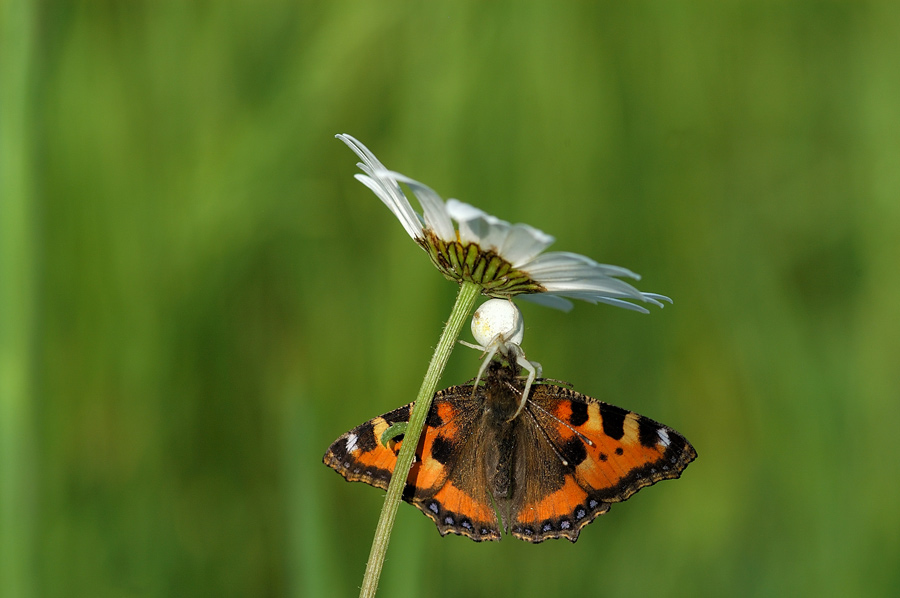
(504, 259)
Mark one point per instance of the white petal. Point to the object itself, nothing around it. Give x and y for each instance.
(618, 301)
(548, 300)
(473, 226)
(659, 298)
(436, 217)
(610, 287)
(578, 277)
(409, 219)
(523, 243)
(385, 187)
(489, 229)
(493, 232)
(361, 151)
(564, 263)
(462, 212)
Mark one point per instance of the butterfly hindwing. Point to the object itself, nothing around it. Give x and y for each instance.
(546, 502)
(444, 481)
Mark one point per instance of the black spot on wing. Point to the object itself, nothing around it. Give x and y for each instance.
(648, 432)
(613, 420)
(434, 420)
(337, 451)
(365, 437)
(574, 452)
(441, 449)
(409, 490)
(579, 413)
(397, 415)
(679, 450)
(379, 475)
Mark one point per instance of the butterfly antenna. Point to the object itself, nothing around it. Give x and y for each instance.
(547, 438)
(583, 438)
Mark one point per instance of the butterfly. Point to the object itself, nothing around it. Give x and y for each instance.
(547, 472)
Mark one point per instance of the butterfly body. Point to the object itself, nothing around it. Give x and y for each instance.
(547, 472)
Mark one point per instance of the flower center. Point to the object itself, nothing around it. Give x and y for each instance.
(468, 262)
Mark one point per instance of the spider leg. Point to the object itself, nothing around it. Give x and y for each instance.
(472, 346)
(534, 371)
(489, 353)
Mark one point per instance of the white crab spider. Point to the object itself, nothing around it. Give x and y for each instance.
(498, 327)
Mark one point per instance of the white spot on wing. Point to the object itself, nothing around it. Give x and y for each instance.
(351, 442)
(663, 437)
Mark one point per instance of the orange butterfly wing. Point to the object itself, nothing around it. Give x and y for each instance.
(581, 455)
(444, 482)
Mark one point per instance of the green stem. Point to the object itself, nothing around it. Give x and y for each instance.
(468, 292)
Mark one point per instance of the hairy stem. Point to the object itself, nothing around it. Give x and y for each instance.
(468, 292)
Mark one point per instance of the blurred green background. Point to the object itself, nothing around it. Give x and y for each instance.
(197, 297)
